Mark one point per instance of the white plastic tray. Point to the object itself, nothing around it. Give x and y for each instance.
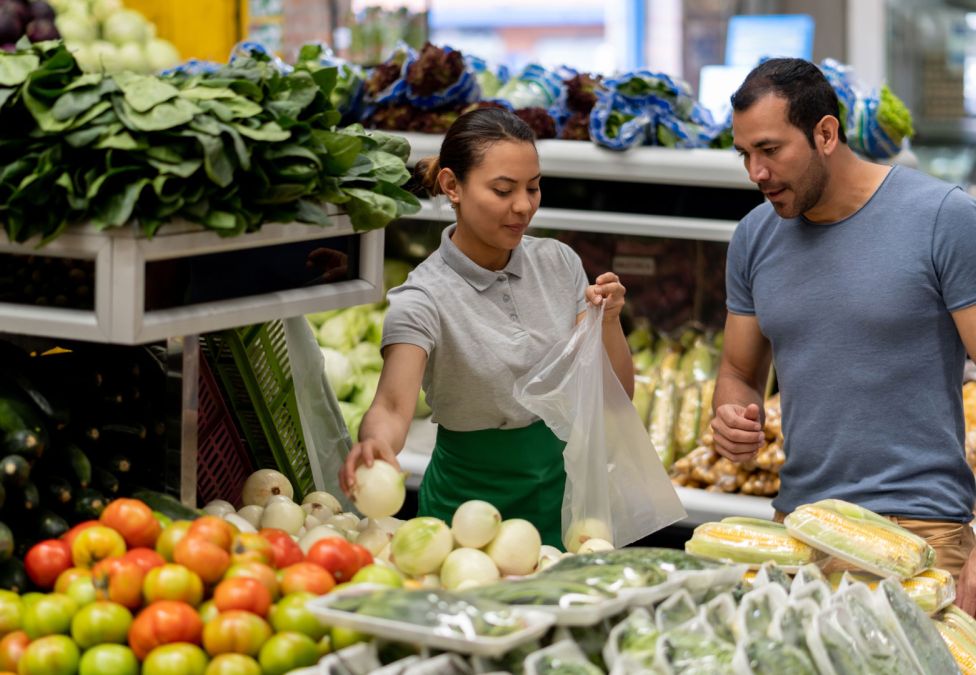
(537, 623)
(583, 615)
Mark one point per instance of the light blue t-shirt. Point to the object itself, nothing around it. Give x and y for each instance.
(868, 358)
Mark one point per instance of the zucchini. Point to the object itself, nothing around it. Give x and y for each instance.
(13, 576)
(167, 505)
(80, 464)
(51, 526)
(26, 442)
(30, 496)
(119, 464)
(89, 504)
(58, 491)
(105, 481)
(123, 433)
(14, 470)
(6, 543)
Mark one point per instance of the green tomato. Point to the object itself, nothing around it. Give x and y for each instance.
(50, 615)
(11, 612)
(208, 611)
(344, 637)
(287, 651)
(178, 658)
(233, 664)
(291, 614)
(32, 597)
(99, 623)
(82, 591)
(50, 655)
(378, 574)
(163, 520)
(109, 660)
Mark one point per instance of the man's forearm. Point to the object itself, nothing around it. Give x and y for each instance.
(732, 388)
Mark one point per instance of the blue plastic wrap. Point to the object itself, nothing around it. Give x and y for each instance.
(534, 87)
(841, 78)
(465, 90)
(630, 133)
(249, 49)
(867, 136)
(193, 67)
(395, 92)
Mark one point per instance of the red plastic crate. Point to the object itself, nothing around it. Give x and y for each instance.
(223, 463)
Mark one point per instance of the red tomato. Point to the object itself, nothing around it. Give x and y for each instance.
(164, 622)
(12, 647)
(286, 551)
(146, 558)
(133, 520)
(305, 576)
(46, 560)
(251, 547)
(65, 578)
(335, 555)
(236, 632)
(215, 530)
(94, 544)
(119, 580)
(363, 554)
(171, 536)
(243, 593)
(203, 557)
(172, 582)
(69, 536)
(254, 570)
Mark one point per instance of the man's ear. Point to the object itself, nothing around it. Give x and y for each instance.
(827, 133)
(449, 185)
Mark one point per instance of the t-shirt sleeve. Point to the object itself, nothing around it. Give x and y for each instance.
(411, 319)
(580, 282)
(954, 250)
(738, 282)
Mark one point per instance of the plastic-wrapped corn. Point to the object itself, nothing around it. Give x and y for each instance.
(861, 537)
(962, 650)
(751, 541)
(961, 622)
(920, 632)
(931, 590)
(768, 657)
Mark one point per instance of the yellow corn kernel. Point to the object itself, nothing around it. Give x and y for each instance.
(749, 543)
(959, 649)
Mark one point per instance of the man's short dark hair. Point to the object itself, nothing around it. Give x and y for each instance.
(808, 94)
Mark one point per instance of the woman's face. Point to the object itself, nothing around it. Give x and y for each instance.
(499, 196)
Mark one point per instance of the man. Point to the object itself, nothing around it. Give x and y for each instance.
(861, 280)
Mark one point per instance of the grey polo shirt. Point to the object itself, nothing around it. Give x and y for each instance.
(483, 329)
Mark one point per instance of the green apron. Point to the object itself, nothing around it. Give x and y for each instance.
(520, 471)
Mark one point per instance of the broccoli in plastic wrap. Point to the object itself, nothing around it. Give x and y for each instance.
(768, 657)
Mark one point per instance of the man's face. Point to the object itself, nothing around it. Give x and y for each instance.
(778, 157)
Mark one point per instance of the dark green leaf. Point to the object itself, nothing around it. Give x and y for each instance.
(203, 93)
(215, 160)
(5, 94)
(269, 131)
(120, 140)
(144, 92)
(368, 210)
(168, 115)
(388, 167)
(282, 193)
(183, 169)
(407, 202)
(220, 220)
(397, 146)
(240, 147)
(342, 149)
(310, 52)
(15, 68)
(312, 212)
(76, 101)
(205, 125)
(119, 206)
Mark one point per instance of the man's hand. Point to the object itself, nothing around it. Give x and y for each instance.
(738, 431)
(966, 588)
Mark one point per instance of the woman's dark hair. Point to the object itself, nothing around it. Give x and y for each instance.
(809, 96)
(467, 140)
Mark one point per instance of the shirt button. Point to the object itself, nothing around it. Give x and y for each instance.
(514, 317)
(502, 277)
(506, 298)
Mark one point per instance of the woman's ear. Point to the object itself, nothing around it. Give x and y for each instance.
(449, 185)
(828, 133)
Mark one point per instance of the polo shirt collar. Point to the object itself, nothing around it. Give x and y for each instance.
(476, 275)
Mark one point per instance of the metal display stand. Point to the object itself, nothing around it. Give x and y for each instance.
(120, 316)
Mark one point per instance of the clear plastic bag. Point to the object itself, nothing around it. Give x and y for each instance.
(613, 474)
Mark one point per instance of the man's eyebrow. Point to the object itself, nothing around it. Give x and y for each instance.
(761, 143)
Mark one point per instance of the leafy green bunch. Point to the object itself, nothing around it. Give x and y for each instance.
(230, 150)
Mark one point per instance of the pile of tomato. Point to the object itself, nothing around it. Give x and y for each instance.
(133, 592)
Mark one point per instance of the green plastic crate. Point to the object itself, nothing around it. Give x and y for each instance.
(252, 364)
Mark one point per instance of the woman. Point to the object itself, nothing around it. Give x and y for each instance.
(484, 308)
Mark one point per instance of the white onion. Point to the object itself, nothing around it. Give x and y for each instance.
(218, 507)
(594, 545)
(316, 533)
(420, 546)
(252, 514)
(325, 499)
(384, 555)
(279, 498)
(311, 521)
(389, 524)
(374, 539)
(380, 489)
(263, 483)
(468, 567)
(287, 516)
(430, 581)
(588, 528)
(475, 523)
(515, 549)
(344, 521)
(240, 523)
(318, 510)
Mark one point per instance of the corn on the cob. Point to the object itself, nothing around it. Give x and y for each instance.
(961, 622)
(931, 590)
(861, 537)
(707, 395)
(962, 650)
(749, 540)
(663, 414)
(642, 398)
(689, 413)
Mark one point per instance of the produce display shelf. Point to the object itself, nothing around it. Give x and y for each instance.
(120, 258)
(700, 505)
(578, 159)
(605, 222)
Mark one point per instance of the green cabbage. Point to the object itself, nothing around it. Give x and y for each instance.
(339, 372)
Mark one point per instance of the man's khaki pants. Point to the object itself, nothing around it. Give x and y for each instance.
(953, 542)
